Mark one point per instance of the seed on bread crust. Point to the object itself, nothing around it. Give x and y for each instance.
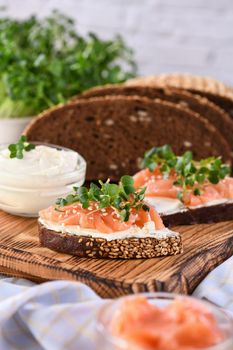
(128, 248)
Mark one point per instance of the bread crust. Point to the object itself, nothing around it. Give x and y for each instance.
(128, 248)
(214, 90)
(203, 215)
(184, 81)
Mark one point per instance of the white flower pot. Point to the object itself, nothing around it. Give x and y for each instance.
(11, 129)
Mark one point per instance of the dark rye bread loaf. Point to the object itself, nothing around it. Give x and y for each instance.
(112, 133)
(201, 105)
(215, 91)
(129, 248)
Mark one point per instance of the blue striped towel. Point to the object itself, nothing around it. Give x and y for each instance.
(60, 315)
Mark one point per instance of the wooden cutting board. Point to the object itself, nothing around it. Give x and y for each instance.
(205, 247)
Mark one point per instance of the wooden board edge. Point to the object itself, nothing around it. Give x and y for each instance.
(103, 287)
(18, 274)
(12, 260)
(179, 282)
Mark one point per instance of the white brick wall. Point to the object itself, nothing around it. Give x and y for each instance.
(167, 35)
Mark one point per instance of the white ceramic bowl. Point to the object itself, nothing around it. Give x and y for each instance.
(12, 128)
(20, 197)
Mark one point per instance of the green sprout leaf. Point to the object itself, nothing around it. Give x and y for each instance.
(180, 195)
(213, 176)
(189, 173)
(17, 149)
(127, 180)
(61, 202)
(123, 197)
(197, 191)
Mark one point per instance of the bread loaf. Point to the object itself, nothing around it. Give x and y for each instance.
(112, 133)
(215, 91)
(217, 116)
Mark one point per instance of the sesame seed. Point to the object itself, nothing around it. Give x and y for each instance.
(109, 122)
(113, 166)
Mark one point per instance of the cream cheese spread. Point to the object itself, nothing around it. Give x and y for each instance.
(213, 202)
(148, 230)
(41, 161)
(168, 206)
(165, 205)
(34, 182)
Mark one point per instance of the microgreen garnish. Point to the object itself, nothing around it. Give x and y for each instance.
(17, 149)
(122, 197)
(46, 61)
(190, 174)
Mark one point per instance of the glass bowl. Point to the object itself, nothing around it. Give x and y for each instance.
(106, 341)
(24, 195)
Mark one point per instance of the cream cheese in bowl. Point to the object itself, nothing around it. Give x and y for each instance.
(34, 182)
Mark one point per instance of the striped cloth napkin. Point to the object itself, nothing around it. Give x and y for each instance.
(60, 315)
(217, 287)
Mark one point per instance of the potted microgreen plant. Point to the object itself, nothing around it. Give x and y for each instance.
(45, 62)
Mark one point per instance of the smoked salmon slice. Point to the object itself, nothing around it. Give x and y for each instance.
(181, 325)
(157, 186)
(106, 220)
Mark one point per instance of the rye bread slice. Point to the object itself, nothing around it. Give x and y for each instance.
(208, 214)
(217, 116)
(112, 133)
(215, 91)
(225, 102)
(89, 247)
